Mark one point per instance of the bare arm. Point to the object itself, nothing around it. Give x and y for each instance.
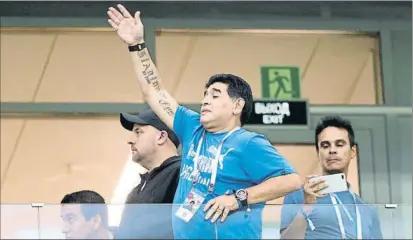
(268, 190)
(297, 228)
(273, 188)
(154, 93)
(130, 30)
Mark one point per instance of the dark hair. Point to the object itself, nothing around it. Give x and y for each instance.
(237, 88)
(92, 204)
(338, 122)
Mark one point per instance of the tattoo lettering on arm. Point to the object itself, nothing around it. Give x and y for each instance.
(141, 54)
(151, 79)
(166, 105)
(148, 71)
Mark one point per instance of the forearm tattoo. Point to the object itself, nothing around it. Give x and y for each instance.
(148, 71)
(151, 78)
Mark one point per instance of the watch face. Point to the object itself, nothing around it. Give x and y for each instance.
(241, 193)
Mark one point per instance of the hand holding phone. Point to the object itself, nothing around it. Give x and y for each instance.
(334, 182)
(312, 186)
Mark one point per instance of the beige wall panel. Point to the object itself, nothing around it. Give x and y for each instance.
(96, 67)
(96, 149)
(15, 219)
(174, 53)
(365, 91)
(10, 129)
(89, 67)
(23, 56)
(335, 66)
(231, 53)
(329, 64)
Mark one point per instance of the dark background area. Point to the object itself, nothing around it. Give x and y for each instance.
(205, 9)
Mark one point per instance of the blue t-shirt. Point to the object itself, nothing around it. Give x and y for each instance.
(247, 160)
(325, 219)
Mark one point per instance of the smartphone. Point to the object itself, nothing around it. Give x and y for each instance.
(336, 183)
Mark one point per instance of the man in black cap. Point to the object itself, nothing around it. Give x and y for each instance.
(154, 147)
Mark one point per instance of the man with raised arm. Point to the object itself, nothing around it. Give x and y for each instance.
(227, 172)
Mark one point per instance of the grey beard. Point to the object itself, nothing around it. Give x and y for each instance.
(137, 158)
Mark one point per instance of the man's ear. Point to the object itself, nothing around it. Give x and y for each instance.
(239, 105)
(353, 151)
(317, 154)
(96, 221)
(162, 137)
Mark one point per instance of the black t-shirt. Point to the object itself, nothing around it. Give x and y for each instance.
(148, 211)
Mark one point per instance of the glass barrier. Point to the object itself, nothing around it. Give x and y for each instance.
(288, 222)
(402, 221)
(158, 221)
(19, 221)
(132, 221)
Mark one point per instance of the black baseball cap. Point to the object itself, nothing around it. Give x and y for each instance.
(147, 117)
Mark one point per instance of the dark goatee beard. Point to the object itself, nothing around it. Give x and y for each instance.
(333, 171)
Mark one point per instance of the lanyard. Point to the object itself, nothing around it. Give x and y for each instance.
(333, 198)
(214, 164)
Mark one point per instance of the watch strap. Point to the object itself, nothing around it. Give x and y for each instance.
(137, 47)
(244, 202)
(239, 202)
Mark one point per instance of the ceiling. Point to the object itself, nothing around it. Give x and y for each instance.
(213, 9)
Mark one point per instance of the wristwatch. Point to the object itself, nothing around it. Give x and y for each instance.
(137, 47)
(242, 197)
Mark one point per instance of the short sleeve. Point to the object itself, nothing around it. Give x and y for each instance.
(186, 121)
(291, 206)
(262, 161)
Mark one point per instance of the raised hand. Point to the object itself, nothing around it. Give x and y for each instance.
(129, 29)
